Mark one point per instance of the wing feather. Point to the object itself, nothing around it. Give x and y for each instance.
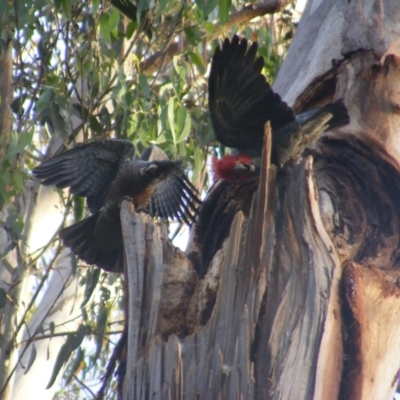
(173, 198)
(87, 170)
(240, 99)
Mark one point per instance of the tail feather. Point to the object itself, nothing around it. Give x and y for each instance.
(291, 140)
(340, 116)
(332, 115)
(90, 240)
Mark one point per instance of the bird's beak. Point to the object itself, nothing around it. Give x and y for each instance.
(239, 167)
(150, 169)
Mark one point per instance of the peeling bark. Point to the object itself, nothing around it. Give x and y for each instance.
(371, 324)
(6, 95)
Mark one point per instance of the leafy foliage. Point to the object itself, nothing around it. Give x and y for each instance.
(90, 70)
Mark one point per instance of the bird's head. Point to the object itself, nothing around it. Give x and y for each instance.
(238, 167)
(160, 170)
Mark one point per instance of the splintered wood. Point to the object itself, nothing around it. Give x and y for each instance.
(302, 299)
(371, 325)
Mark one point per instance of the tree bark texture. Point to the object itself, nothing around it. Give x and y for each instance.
(302, 301)
(6, 93)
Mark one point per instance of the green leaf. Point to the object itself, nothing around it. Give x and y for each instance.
(223, 10)
(206, 6)
(79, 206)
(101, 323)
(113, 19)
(66, 6)
(162, 121)
(171, 116)
(52, 328)
(76, 365)
(18, 180)
(73, 341)
(62, 357)
(19, 142)
(209, 27)
(196, 59)
(92, 277)
(175, 61)
(193, 35)
(180, 117)
(46, 96)
(160, 7)
(144, 131)
(95, 6)
(74, 263)
(130, 29)
(54, 121)
(133, 125)
(25, 139)
(3, 298)
(183, 124)
(76, 339)
(40, 329)
(160, 139)
(4, 7)
(32, 358)
(17, 104)
(186, 129)
(84, 313)
(144, 85)
(95, 125)
(11, 149)
(94, 84)
(104, 29)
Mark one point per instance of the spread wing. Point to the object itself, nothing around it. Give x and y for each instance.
(87, 170)
(175, 197)
(240, 99)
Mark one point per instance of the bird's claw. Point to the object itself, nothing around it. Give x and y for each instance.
(142, 210)
(127, 198)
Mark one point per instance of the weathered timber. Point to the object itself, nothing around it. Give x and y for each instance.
(172, 368)
(270, 302)
(161, 281)
(302, 299)
(252, 327)
(372, 318)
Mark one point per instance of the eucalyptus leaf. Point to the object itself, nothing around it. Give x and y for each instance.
(171, 117)
(46, 96)
(104, 27)
(3, 298)
(32, 358)
(66, 7)
(101, 325)
(223, 10)
(113, 19)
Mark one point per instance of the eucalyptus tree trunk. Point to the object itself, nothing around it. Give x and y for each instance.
(303, 299)
(23, 319)
(27, 364)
